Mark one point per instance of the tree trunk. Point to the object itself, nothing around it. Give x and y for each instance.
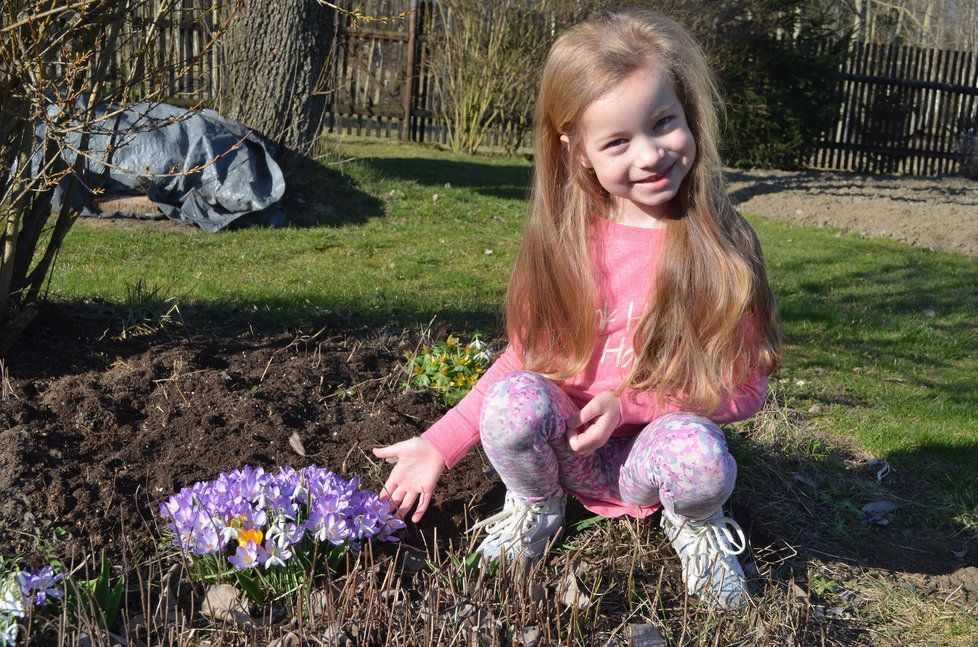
(274, 58)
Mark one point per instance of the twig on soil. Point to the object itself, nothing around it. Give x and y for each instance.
(6, 388)
(175, 376)
(269, 363)
(122, 362)
(844, 558)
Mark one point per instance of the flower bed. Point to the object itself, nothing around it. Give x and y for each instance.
(266, 531)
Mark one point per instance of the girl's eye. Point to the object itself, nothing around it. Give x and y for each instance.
(614, 143)
(665, 120)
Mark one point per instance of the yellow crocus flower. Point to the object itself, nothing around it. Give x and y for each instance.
(254, 535)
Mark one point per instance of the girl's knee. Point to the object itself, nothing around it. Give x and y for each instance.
(687, 458)
(682, 435)
(710, 469)
(516, 385)
(517, 409)
(699, 443)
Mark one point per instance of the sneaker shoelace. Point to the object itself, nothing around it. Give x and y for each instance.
(716, 538)
(513, 521)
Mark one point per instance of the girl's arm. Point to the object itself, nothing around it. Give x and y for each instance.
(458, 429)
(745, 401)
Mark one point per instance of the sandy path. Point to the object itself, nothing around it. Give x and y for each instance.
(937, 213)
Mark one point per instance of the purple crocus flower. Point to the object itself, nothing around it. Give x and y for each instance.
(286, 534)
(246, 556)
(37, 587)
(271, 554)
(206, 540)
(276, 509)
(329, 527)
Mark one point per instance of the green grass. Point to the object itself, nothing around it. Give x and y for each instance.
(903, 385)
(394, 252)
(863, 347)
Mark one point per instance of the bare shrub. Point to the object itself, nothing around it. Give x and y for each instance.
(67, 72)
(487, 58)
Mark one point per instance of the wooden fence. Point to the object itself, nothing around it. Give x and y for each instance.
(176, 34)
(904, 109)
(380, 77)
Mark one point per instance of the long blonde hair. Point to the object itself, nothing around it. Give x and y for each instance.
(712, 318)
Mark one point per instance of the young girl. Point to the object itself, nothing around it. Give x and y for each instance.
(639, 314)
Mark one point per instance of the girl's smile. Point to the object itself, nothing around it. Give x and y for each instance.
(656, 181)
(637, 142)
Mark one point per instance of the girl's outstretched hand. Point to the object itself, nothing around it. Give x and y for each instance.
(413, 479)
(604, 414)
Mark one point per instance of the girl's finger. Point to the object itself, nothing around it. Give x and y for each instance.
(573, 438)
(601, 426)
(581, 441)
(423, 500)
(406, 504)
(387, 452)
(589, 411)
(396, 496)
(389, 488)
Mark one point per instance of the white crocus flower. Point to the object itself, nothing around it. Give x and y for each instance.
(8, 631)
(11, 600)
(11, 608)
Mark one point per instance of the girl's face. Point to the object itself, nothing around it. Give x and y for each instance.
(637, 142)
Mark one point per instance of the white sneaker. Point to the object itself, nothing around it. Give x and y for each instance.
(708, 551)
(521, 529)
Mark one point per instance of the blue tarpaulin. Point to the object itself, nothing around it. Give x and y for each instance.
(196, 166)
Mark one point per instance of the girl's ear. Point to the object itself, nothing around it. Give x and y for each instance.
(565, 140)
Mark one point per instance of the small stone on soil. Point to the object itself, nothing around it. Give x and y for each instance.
(320, 601)
(801, 478)
(538, 592)
(290, 639)
(85, 640)
(223, 603)
(413, 561)
(295, 442)
(529, 637)
(643, 635)
(877, 512)
(571, 595)
(336, 637)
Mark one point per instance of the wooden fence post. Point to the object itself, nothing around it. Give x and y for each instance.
(409, 76)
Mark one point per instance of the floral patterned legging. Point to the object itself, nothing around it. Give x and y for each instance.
(679, 460)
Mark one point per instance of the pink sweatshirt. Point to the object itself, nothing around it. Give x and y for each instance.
(624, 258)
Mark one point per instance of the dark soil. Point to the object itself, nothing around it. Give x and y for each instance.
(97, 431)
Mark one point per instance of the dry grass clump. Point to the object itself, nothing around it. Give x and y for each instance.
(798, 485)
(607, 577)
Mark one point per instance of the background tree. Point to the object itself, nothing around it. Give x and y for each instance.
(487, 58)
(922, 23)
(274, 58)
(778, 73)
(779, 63)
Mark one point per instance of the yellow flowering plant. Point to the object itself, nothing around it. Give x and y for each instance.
(448, 367)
